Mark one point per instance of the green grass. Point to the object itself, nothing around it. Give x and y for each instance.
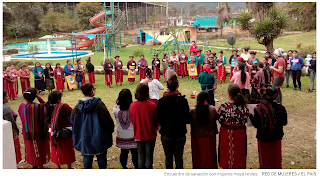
(287, 42)
(298, 144)
(26, 39)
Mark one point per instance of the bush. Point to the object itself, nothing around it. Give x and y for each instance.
(11, 51)
(137, 52)
(17, 64)
(306, 50)
(298, 45)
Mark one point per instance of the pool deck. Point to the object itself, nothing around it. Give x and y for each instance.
(89, 54)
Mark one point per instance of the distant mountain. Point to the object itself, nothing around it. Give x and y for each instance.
(209, 6)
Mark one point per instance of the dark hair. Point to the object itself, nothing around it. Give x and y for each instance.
(260, 64)
(86, 89)
(68, 61)
(182, 50)
(5, 68)
(202, 111)
(149, 73)
(173, 83)
(221, 52)
(30, 94)
(287, 57)
(243, 73)
(268, 52)
(209, 50)
(193, 41)
(246, 48)
(124, 99)
(294, 51)
(314, 52)
(142, 92)
(53, 98)
(11, 64)
(35, 65)
(5, 93)
(49, 67)
(57, 65)
(165, 55)
(235, 93)
(173, 52)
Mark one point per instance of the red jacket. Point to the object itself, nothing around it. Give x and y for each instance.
(143, 115)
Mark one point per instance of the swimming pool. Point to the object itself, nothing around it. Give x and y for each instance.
(53, 55)
(40, 44)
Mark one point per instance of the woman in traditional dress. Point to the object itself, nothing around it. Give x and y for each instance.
(90, 69)
(222, 74)
(206, 79)
(58, 74)
(278, 72)
(80, 67)
(193, 48)
(233, 61)
(125, 140)
(192, 60)
(142, 65)
(242, 79)
(8, 82)
(38, 73)
(269, 119)
(11, 116)
(175, 59)
(24, 75)
(200, 58)
(233, 116)
(154, 86)
(107, 66)
(118, 72)
(34, 129)
(68, 70)
(266, 70)
(257, 82)
(203, 133)
(15, 75)
(183, 65)
(212, 65)
(156, 67)
(131, 64)
(252, 64)
(48, 73)
(58, 114)
(165, 64)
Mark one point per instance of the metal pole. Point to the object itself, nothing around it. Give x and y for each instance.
(75, 46)
(145, 20)
(127, 15)
(72, 47)
(120, 39)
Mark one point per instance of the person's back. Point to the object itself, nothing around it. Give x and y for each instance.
(204, 130)
(236, 78)
(79, 77)
(206, 79)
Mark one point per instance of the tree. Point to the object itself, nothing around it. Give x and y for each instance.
(301, 15)
(33, 50)
(224, 15)
(66, 22)
(84, 11)
(269, 28)
(49, 20)
(153, 18)
(244, 22)
(193, 9)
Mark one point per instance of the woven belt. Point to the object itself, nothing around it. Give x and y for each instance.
(233, 127)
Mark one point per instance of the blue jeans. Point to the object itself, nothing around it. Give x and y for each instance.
(145, 153)
(211, 94)
(288, 75)
(102, 161)
(79, 84)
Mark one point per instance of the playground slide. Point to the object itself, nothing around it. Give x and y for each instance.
(100, 28)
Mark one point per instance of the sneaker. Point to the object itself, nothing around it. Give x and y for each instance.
(287, 86)
(299, 90)
(310, 91)
(294, 88)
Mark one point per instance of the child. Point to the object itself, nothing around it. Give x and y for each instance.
(308, 59)
(79, 78)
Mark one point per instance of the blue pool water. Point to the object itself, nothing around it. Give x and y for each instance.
(40, 44)
(53, 55)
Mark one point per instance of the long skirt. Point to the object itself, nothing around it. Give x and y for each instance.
(156, 72)
(164, 73)
(118, 75)
(232, 147)
(39, 84)
(37, 152)
(270, 155)
(222, 73)
(10, 89)
(17, 147)
(84, 78)
(91, 77)
(142, 73)
(131, 79)
(176, 68)
(199, 68)
(60, 83)
(231, 72)
(25, 84)
(183, 69)
(63, 152)
(5, 85)
(204, 154)
(246, 94)
(49, 83)
(215, 85)
(16, 87)
(255, 96)
(108, 79)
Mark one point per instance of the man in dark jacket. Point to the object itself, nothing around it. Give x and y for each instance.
(173, 115)
(92, 128)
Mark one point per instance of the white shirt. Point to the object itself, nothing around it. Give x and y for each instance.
(154, 88)
(245, 56)
(122, 131)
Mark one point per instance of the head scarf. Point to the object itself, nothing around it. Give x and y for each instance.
(278, 52)
(207, 69)
(241, 59)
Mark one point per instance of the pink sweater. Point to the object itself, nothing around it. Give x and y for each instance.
(236, 78)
